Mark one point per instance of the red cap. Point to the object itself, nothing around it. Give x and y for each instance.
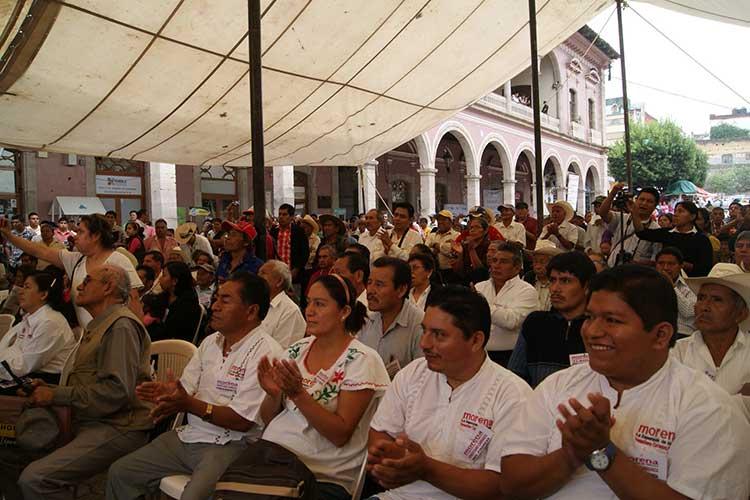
(243, 227)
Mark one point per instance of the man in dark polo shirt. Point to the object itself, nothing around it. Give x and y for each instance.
(551, 340)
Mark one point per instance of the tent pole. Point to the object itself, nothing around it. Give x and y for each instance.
(256, 126)
(537, 117)
(625, 103)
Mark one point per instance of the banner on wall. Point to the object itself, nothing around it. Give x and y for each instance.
(118, 184)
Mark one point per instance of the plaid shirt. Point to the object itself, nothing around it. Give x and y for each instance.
(284, 245)
(12, 251)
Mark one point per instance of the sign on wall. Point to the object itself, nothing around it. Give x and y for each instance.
(572, 197)
(118, 184)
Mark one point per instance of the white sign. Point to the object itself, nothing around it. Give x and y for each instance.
(118, 184)
(492, 198)
(456, 208)
(572, 196)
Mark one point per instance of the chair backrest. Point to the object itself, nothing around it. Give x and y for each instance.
(198, 326)
(171, 354)
(6, 321)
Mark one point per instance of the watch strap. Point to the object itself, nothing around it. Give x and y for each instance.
(609, 451)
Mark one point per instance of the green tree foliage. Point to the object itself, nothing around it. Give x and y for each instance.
(727, 131)
(730, 180)
(661, 154)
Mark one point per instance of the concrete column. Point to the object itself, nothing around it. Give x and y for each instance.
(427, 189)
(507, 89)
(335, 199)
(509, 191)
(368, 179)
(561, 193)
(90, 168)
(197, 190)
(472, 190)
(283, 186)
(29, 183)
(532, 200)
(163, 192)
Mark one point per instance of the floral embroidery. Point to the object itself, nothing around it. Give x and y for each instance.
(332, 387)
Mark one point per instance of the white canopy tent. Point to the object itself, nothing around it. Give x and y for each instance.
(76, 205)
(343, 80)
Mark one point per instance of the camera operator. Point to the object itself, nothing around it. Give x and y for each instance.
(626, 246)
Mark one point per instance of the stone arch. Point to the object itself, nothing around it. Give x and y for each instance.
(595, 171)
(524, 177)
(423, 147)
(574, 167)
(554, 178)
(497, 141)
(462, 134)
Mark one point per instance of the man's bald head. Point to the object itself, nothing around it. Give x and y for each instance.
(106, 284)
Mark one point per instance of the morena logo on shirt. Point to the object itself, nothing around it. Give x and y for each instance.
(469, 420)
(654, 436)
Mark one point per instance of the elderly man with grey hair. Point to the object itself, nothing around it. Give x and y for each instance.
(742, 251)
(284, 321)
(98, 383)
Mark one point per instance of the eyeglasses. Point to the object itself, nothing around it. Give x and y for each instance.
(88, 279)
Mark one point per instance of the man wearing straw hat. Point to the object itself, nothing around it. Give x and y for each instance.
(560, 231)
(720, 347)
(190, 241)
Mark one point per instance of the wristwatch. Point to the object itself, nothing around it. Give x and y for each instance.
(601, 460)
(208, 413)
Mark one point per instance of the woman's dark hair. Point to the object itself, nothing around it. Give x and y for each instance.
(469, 309)
(51, 281)
(644, 289)
(421, 249)
(427, 261)
(138, 229)
(180, 273)
(482, 221)
(97, 224)
(668, 216)
(340, 289)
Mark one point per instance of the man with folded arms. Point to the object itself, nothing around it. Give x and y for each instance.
(220, 393)
(440, 430)
(632, 422)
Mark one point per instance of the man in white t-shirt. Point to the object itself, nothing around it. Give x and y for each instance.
(220, 393)
(560, 230)
(720, 347)
(510, 229)
(511, 299)
(441, 427)
(632, 422)
(370, 238)
(284, 321)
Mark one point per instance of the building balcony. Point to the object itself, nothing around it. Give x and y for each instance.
(595, 137)
(579, 132)
(498, 103)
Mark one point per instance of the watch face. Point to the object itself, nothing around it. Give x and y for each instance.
(599, 460)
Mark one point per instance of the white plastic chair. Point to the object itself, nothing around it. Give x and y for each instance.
(171, 354)
(359, 484)
(6, 321)
(198, 326)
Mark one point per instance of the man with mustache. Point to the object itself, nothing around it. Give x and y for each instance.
(439, 430)
(720, 347)
(551, 340)
(632, 422)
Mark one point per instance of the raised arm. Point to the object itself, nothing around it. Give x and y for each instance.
(606, 205)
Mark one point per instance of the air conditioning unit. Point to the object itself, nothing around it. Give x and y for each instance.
(71, 160)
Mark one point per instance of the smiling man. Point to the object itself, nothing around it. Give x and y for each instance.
(440, 429)
(631, 423)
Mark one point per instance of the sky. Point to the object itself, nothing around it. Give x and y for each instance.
(653, 61)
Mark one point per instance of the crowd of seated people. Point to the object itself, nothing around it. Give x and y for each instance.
(464, 357)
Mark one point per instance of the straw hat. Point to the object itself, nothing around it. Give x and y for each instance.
(445, 213)
(730, 276)
(307, 219)
(565, 206)
(185, 231)
(325, 217)
(546, 247)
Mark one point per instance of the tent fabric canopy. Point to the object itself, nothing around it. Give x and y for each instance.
(343, 80)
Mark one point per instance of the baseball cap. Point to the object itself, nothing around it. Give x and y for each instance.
(206, 267)
(243, 227)
(446, 213)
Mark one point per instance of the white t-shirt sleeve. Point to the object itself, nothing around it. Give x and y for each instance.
(508, 408)
(366, 372)
(69, 260)
(191, 374)
(531, 433)
(250, 394)
(391, 414)
(119, 260)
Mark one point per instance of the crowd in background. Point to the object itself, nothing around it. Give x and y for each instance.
(344, 313)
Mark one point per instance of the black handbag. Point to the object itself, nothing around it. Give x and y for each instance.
(267, 471)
